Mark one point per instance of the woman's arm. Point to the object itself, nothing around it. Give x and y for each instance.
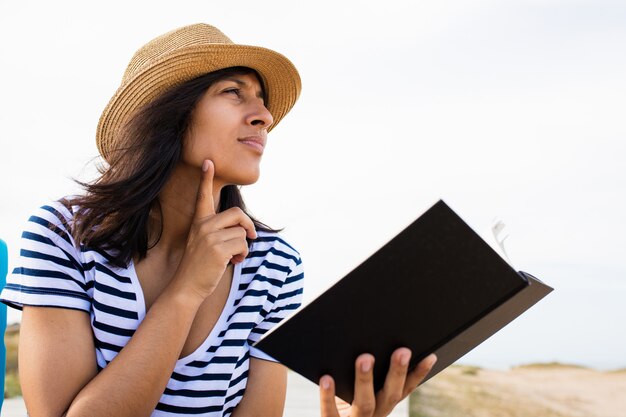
(58, 366)
(57, 358)
(265, 390)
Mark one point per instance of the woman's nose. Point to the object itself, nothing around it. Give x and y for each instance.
(260, 116)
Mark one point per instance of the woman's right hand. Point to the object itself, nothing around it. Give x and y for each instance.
(399, 383)
(214, 240)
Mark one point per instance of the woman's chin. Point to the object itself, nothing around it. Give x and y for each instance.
(248, 179)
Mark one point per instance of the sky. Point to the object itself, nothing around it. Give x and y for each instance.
(505, 110)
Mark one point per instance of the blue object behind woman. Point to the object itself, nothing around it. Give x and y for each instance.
(3, 316)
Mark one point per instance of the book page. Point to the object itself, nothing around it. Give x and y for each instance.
(497, 240)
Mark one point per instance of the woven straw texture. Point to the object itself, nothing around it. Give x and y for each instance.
(184, 54)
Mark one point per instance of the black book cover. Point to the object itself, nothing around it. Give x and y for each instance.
(435, 287)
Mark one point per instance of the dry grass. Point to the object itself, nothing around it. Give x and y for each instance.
(549, 365)
(12, 380)
(547, 390)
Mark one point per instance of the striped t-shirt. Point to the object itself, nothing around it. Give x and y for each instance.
(210, 381)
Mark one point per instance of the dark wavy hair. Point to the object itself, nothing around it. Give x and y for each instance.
(113, 215)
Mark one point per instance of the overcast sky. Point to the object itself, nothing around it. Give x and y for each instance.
(511, 110)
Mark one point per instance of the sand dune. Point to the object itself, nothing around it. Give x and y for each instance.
(545, 390)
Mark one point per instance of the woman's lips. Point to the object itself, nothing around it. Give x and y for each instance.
(255, 142)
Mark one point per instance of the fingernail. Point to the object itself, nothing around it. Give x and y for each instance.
(404, 359)
(205, 165)
(325, 383)
(433, 359)
(366, 366)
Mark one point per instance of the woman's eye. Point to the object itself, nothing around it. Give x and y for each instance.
(235, 91)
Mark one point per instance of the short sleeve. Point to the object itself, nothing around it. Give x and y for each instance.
(288, 300)
(48, 271)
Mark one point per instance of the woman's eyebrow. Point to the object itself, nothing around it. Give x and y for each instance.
(244, 84)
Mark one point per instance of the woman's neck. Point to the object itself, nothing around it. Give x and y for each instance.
(177, 202)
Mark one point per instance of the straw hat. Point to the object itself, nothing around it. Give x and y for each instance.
(184, 54)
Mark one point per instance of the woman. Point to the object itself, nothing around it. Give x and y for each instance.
(177, 280)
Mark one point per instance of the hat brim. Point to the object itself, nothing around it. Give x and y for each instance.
(279, 76)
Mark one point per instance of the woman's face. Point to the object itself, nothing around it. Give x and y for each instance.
(229, 126)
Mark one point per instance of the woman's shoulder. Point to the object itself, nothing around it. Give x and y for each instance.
(275, 243)
(275, 262)
(60, 209)
(271, 251)
(53, 215)
(51, 223)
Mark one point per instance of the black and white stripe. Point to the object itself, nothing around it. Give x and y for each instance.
(210, 381)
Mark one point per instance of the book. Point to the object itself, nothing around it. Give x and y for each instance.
(435, 287)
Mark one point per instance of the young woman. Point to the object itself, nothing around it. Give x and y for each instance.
(143, 296)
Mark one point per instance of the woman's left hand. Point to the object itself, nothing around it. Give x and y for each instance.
(398, 385)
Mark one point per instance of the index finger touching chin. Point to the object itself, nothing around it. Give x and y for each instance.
(205, 206)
